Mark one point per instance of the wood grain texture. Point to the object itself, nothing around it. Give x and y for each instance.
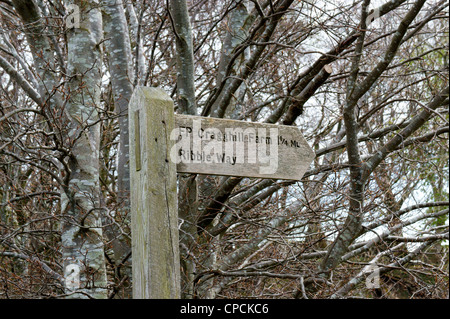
(255, 149)
(155, 250)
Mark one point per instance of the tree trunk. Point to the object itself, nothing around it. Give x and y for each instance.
(82, 236)
(119, 54)
(187, 198)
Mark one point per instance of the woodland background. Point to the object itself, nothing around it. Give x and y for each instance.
(365, 81)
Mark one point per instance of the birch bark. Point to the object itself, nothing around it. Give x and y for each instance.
(82, 235)
(118, 50)
(187, 207)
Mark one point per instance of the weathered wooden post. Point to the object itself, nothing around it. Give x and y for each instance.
(154, 214)
(204, 146)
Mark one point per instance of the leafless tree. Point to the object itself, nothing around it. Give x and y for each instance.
(365, 81)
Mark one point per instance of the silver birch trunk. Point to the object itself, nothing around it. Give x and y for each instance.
(119, 57)
(187, 208)
(42, 53)
(82, 237)
(118, 50)
(136, 43)
(185, 57)
(237, 31)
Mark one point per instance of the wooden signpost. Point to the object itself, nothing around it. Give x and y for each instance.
(154, 214)
(163, 143)
(238, 148)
